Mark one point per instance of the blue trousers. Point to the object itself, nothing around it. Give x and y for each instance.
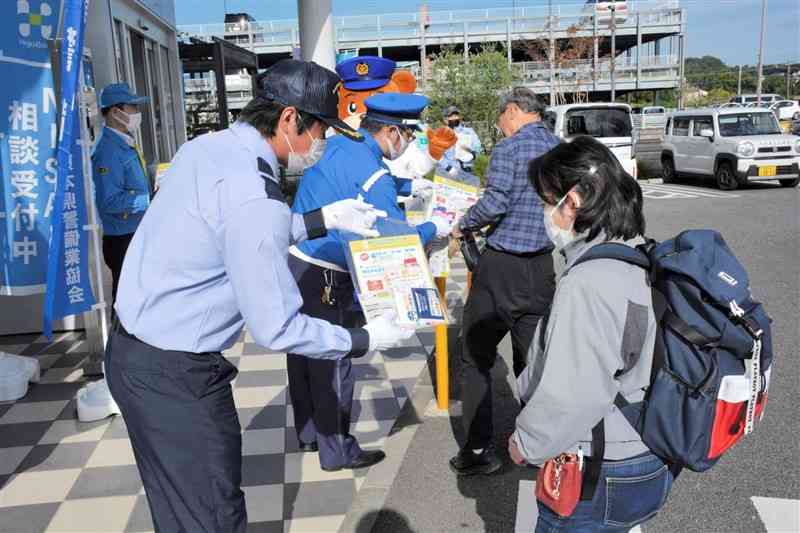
(628, 493)
(185, 433)
(322, 390)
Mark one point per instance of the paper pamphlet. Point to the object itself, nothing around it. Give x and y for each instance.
(392, 274)
(451, 199)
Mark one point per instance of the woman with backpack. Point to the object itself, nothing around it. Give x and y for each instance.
(596, 474)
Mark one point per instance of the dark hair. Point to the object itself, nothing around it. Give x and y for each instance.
(106, 110)
(263, 115)
(612, 199)
(373, 126)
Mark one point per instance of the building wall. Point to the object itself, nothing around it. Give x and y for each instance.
(135, 41)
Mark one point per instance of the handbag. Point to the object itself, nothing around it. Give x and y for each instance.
(470, 251)
(558, 484)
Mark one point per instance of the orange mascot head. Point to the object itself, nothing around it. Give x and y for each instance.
(364, 76)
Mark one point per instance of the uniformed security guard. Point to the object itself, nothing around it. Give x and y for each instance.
(122, 190)
(209, 256)
(322, 391)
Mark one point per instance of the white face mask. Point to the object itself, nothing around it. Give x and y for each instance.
(133, 121)
(297, 163)
(394, 154)
(560, 237)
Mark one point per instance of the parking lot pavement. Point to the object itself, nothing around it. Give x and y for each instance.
(754, 488)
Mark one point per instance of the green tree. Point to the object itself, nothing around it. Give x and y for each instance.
(475, 87)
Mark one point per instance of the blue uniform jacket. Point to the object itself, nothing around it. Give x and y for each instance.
(341, 173)
(122, 190)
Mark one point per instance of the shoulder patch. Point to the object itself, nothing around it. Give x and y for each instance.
(102, 170)
(271, 185)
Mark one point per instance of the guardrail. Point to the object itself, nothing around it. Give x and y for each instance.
(392, 26)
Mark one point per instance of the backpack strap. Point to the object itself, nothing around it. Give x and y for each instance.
(593, 467)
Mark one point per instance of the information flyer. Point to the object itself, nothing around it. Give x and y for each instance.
(450, 199)
(392, 274)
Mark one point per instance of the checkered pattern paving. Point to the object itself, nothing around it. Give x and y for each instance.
(57, 474)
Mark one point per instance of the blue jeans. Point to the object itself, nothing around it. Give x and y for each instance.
(628, 493)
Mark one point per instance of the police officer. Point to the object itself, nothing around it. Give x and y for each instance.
(322, 391)
(209, 256)
(122, 191)
(462, 155)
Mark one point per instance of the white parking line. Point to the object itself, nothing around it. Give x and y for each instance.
(778, 515)
(672, 192)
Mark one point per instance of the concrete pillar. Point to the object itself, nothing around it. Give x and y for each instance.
(380, 41)
(316, 32)
(639, 49)
(466, 41)
(508, 40)
(596, 63)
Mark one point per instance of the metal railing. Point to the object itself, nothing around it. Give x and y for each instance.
(438, 24)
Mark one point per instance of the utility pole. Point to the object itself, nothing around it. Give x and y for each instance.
(788, 80)
(613, 52)
(739, 86)
(761, 50)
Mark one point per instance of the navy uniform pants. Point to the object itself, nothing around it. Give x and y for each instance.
(185, 433)
(322, 390)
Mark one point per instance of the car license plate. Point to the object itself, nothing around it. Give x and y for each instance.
(771, 170)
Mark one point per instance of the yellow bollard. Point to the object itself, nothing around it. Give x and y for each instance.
(442, 362)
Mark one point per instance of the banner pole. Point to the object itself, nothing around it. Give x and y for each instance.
(96, 319)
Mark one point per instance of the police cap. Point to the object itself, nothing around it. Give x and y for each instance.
(364, 73)
(396, 109)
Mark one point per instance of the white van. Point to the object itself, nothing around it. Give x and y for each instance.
(766, 99)
(608, 123)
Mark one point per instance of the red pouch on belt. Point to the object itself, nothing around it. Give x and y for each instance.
(558, 484)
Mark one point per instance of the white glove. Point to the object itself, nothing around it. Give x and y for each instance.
(385, 333)
(352, 215)
(421, 188)
(443, 226)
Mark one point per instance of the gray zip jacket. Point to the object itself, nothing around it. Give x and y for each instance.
(601, 325)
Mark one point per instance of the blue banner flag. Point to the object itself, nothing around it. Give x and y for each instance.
(69, 289)
(27, 143)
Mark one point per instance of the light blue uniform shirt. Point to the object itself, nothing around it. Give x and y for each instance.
(342, 172)
(211, 255)
(122, 191)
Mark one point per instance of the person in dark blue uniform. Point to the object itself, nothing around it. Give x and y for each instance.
(122, 190)
(322, 391)
(209, 256)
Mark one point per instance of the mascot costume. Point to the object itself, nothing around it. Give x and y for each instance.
(364, 76)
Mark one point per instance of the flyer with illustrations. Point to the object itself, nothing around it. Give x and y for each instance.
(392, 274)
(451, 199)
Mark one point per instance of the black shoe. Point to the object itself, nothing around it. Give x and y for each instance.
(364, 460)
(469, 463)
(311, 447)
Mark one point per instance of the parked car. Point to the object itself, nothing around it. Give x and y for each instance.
(766, 99)
(729, 105)
(735, 146)
(608, 123)
(603, 10)
(786, 109)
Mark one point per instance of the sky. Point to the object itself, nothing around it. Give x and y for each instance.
(728, 29)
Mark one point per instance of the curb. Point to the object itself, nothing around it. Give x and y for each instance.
(369, 500)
